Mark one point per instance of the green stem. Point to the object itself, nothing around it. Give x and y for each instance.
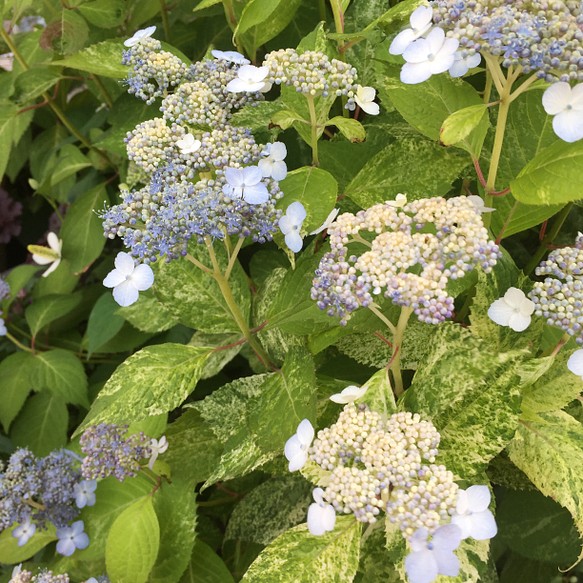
(18, 343)
(376, 311)
(314, 127)
(233, 257)
(104, 92)
(240, 320)
(395, 365)
(338, 22)
(561, 217)
(165, 24)
(322, 10)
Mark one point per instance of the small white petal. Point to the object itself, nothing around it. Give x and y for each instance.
(421, 18)
(279, 170)
(296, 212)
(235, 176)
(329, 220)
(125, 294)
(256, 194)
(348, 395)
(568, 125)
(278, 151)
(500, 312)
(402, 41)
(52, 267)
(54, 243)
(418, 51)
(447, 537)
(124, 263)
(294, 242)
(114, 278)
(318, 495)
(575, 362)
(298, 461)
(482, 525)
(293, 446)
(143, 277)
(41, 259)
(447, 562)
(421, 567)
(321, 519)
(305, 432)
(230, 57)
(556, 97)
(478, 498)
(519, 322)
(413, 73)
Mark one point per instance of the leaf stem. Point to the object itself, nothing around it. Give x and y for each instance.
(233, 257)
(395, 364)
(18, 343)
(377, 312)
(314, 128)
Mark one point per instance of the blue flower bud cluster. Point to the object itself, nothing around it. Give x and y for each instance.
(385, 465)
(539, 36)
(182, 157)
(39, 489)
(311, 72)
(559, 298)
(110, 452)
(409, 254)
(20, 575)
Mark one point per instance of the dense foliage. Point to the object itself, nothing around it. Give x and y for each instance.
(304, 311)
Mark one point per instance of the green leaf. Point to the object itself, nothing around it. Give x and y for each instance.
(413, 166)
(520, 517)
(104, 13)
(262, 20)
(474, 405)
(34, 82)
(286, 398)
(427, 105)
(133, 542)
(460, 124)
(206, 566)
(62, 373)
(176, 510)
(350, 128)
(194, 450)
(11, 553)
(379, 393)
(103, 58)
(549, 177)
(154, 380)
(112, 498)
(17, 280)
(316, 189)
(16, 385)
(257, 116)
(226, 347)
(549, 453)
(49, 308)
(148, 314)
(195, 298)
(69, 161)
(205, 4)
(269, 510)
(42, 424)
(296, 555)
(286, 118)
(69, 33)
(104, 322)
(8, 113)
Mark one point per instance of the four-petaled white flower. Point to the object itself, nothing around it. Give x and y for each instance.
(157, 446)
(251, 79)
(45, 255)
(321, 516)
(128, 279)
(291, 225)
(3, 329)
(296, 447)
(365, 100)
(71, 538)
(273, 164)
(399, 202)
(472, 514)
(575, 363)
(565, 103)
(428, 56)
(85, 493)
(420, 22)
(513, 310)
(246, 183)
(189, 144)
(479, 205)
(24, 532)
(429, 559)
(348, 395)
(329, 220)
(230, 57)
(462, 64)
(139, 36)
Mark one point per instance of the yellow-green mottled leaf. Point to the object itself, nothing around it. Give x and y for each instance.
(133, 543)
(296, 555)
(350, 128)
(103, 58)
(148, 314)
(550, 453)
(154, 380)
(379, 394)
(286, 118)
(460, 124)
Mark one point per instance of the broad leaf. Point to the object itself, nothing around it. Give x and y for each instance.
(103, 58)
(49, 308)
(16, 385)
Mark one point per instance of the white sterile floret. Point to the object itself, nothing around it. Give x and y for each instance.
(50, 255)
(139, 36)
(296, 447)
(429, 559)
(472, 514)
(157, 446)
(420, 22)
(575, 363)
(24, 532)
(478, 203)
(291, 225)
(321, 516)
(399, 202)
(329, 220)
(428, 56)
(250, 79)
(189, 144)
(128, 279)
(230, 57)
(348, 395)
(246, 183)
(273, 164)
(365, 99)
(462, 64)
(565, 103)
(513, 310)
